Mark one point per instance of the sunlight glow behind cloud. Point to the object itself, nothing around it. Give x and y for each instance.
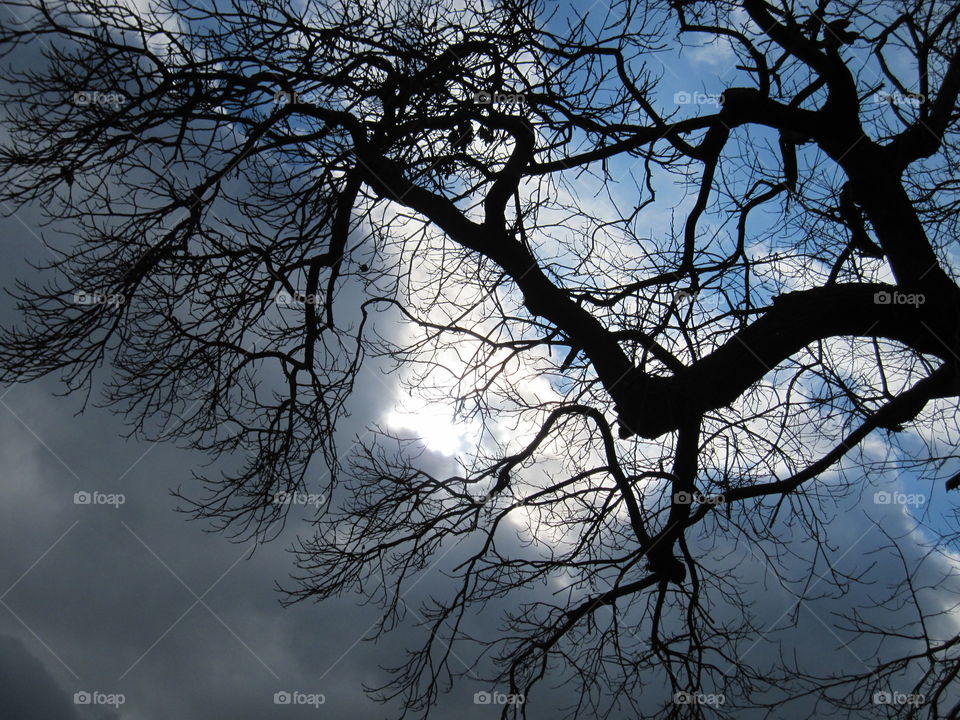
(436, 425)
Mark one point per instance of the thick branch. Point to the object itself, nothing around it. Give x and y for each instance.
(794, 321)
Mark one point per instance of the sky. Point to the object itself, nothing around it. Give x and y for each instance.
(124, 595)
(123, 601)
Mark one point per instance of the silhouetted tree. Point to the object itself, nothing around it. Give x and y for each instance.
(489, 196)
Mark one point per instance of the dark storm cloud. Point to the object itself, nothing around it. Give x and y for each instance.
(98, 592)
(101, 594)
(105, 596)
(27, 690)
(102, 585)
(112, 591)
(132, 599)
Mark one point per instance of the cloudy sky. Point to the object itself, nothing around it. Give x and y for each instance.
(134, 599)
(122, 596)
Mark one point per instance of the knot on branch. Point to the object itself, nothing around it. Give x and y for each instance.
(666, 567)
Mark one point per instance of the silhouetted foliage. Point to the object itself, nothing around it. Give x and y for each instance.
(488, 197)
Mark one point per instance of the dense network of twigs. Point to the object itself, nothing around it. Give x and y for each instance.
(678, 324)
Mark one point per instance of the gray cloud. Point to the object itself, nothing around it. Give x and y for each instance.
(27, 690)
(105, 597)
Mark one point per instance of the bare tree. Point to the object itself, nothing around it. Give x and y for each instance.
(487, 197)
